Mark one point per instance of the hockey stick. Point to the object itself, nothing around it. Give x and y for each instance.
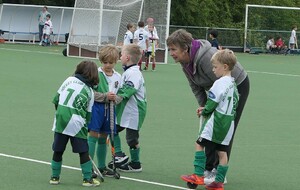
(200, 124)
(112, 129)
(99, 174)
(153, 47)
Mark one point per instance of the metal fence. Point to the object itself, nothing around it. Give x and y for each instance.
(233, 38)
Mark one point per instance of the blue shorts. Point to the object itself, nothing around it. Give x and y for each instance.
(100, 121)
(60, 142)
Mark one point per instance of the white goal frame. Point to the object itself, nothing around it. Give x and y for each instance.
(260, 6)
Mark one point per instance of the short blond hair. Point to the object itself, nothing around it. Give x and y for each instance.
(109, 53)
(225, 56)
(134, 51)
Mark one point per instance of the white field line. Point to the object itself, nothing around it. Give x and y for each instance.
(270, 73)
(74, 168)
(259, 72)
(29, 51)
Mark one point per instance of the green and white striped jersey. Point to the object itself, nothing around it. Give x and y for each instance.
(131, 112)
(74, 100)
(108, 83)
(220, 111)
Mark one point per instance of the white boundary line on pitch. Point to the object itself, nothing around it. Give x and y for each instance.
(29, 51)
(260, 72)
(270, 73)
(74, 168)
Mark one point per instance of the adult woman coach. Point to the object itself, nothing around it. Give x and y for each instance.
(194, 57)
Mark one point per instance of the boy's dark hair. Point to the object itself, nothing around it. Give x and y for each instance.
(141, 24)
(214, 33)
(88, 70)
(48, 15)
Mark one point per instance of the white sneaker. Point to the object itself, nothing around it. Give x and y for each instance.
(210, 176)
(40, 43)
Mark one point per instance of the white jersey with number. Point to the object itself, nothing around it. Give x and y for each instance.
(131, 112)
(220, 111)
(141, 35)
(74, 100)
(128, 37)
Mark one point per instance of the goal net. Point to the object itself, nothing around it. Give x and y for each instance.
(262, 22)
(99, 22)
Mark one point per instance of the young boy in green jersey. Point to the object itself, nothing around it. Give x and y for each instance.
(73, 102)
(218, 126)
(131, 111)
(99, 127)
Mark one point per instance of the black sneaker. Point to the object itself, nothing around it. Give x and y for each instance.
(94, 174)
(131, 167)
(120, 159)
(107, 172)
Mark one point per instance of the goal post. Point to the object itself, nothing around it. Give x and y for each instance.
(99, 22)
(263, 21)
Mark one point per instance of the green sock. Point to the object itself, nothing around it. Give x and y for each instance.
(101, 152)
(135, 154)
(86, 170)
(199, 163)
(56, 168)
(92, 145)
(222, 170)
(117, 144)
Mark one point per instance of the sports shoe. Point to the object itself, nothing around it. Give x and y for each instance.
(215, 186)
(90, 182)
(94, 174)
(54, 181)
(193, 179)
(120, 159)
(107, 172)
(153, 70)
(210, 176)
(131, 167)
(145, 68)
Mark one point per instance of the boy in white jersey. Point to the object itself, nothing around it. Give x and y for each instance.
(141, 39)
(99, 127)
(153, 43)
(73, 102)
(131, 111)
(47, 31)
(219, 114)
(128, 37)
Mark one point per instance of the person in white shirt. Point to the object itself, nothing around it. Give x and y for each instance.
(270, 44)
(128, 37)
(153, 44)
(141, 38)
(150, 22)
(48, 30)
(293, 38)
